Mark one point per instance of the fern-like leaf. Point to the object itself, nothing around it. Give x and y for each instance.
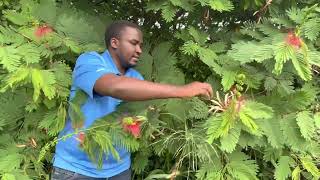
(9, 160)
(270, 83)
(43, 80)
(190, 48)
(62, 73)
(75, 113)
(221, 5)
(317, 119)
(246, 52)
(310, 166)
(47, 11)
(296, 173)
(168, 12)
(283, 53)
(210, 171)
(198, 36)
(306, 124)
(254, 110)
(30, 53)
(9, 58)
(311, 28)
(16, 18)
(283, 170)
(271, 128)
(295, 15)
(198, 110)
(207, 56)
(17, 77)
(241, 167)
(54, 121)
(140, 162)
(228, 79)
(291, 132)
(213, 124)
(302, 67)
(73, 45)
(229, 142)
(267, 28)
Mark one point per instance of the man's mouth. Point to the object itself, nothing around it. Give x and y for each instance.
(135, 58)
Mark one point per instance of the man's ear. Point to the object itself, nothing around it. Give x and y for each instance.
(114, 43)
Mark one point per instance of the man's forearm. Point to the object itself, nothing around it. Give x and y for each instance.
(131, 89)
(136, 90)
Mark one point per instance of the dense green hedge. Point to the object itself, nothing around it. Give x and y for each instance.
(262, 59)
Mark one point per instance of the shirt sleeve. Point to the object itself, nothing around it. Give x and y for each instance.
(140, 77)
(89, 68)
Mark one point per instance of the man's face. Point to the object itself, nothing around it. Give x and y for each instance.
(128, 47)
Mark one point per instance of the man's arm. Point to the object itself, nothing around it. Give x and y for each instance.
(131, 89)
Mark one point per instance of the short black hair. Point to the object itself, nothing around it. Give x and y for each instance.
(114, 30)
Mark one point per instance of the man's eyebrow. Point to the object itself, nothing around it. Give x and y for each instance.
(136, 41)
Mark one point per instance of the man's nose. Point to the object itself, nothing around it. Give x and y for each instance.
(138, 49)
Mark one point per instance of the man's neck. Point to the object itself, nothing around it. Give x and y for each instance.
(117, 62)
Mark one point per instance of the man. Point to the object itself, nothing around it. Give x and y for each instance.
(109, 78)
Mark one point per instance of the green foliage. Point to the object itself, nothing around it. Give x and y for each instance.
(43, 80)
(10, 160)
(266, 127)
(291, 133)
(306, 124)
(283, 168)
(159, 65)
(213, 124)
(228, 79)
(170, 8)
(241, 167)
(230, 141)
(54, 121)
(296, 173)
(310, 166)
(251, 51)
(272, 44)
(9, 58)
(253, 110)
(140, 162)
(198, 109)
(75, 113)
(271, 129)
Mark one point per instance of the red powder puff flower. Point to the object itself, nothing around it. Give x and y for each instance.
(80, 137)
(42, 31)
(293, 40)
(131, 126)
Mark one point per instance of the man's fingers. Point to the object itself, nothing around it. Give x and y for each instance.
(210, 91)
(208, 96)
(201, 89)
(206, 93)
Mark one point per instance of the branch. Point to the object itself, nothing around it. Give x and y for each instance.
(262, 10)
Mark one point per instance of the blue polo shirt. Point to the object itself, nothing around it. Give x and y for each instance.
(90, 67)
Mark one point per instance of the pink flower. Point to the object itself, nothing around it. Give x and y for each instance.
(42, 31)
(80, 137)
(293, 40)
(131, 126)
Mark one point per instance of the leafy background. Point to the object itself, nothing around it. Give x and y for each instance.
(261, 57)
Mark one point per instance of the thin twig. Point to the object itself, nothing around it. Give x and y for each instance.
(262, 10)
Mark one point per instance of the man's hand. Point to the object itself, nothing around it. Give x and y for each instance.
(196, 89)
